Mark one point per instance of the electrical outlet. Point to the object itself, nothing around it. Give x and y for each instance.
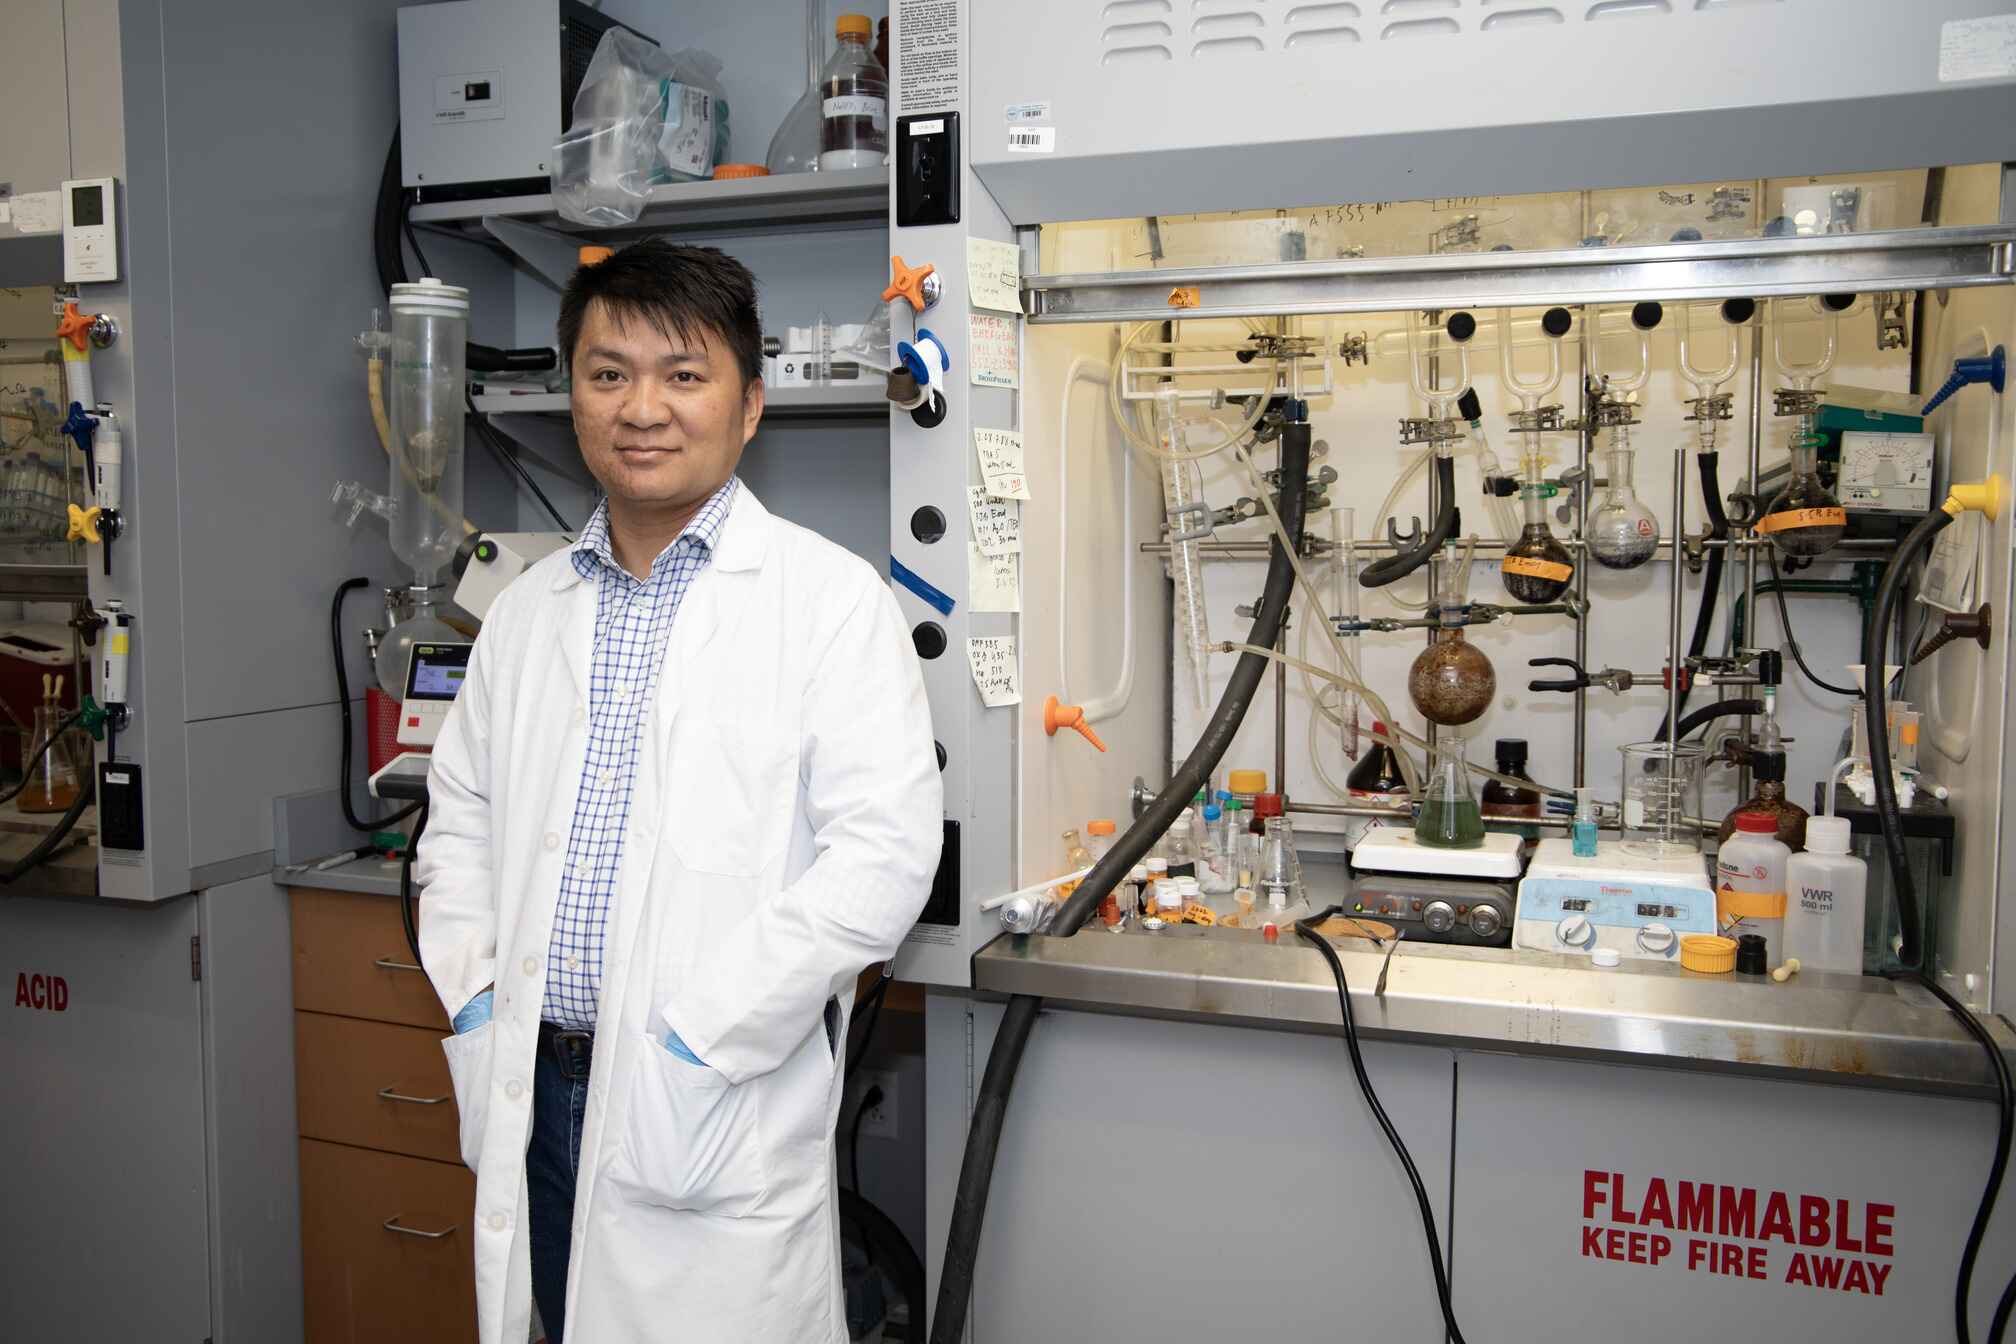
(879, 1121)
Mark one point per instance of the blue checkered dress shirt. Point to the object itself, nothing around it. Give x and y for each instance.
(633, 620)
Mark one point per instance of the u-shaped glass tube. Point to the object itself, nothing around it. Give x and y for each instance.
(1802, 376)
(1618, 382)
(1440, 397)
(1530, 393)
(1705, 383)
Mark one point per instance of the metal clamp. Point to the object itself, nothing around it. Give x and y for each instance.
(1197, 530)
(1414, 430)
(393, 1224)
(1355, 348)
(1795, 401)
(1606, 413)
(1540, 420)
(387, 964)
(1717, 407)
(387, 1094)
(1611, 679)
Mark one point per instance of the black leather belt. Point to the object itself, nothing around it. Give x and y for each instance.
(571, 1050)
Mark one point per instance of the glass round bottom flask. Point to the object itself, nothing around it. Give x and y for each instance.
(1451, 681)
(1623, 534)
(1804, 519)
(1536, 568)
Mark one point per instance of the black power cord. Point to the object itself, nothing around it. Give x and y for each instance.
(1305, 929)
(343, 590)
(1792, 640)
(406, 883)
(509, 459)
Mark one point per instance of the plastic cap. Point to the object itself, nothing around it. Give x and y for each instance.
(1750, 955)
(1100, 827)
(856, 25)
(1756, 823)
(595, 256)
(1212, 812)
(1137, 873)
(1158, 868)
(733, 170)
(1181, 823)
(1512, 752)
(1706, 952)
(1267, 805)
(1605, 956)
(1189, 886)
(1827, 835)
(1247, 781)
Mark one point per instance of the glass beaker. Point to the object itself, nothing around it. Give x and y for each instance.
(52, 779)
(1662, 799)
(1622, 531)
(1449, 816)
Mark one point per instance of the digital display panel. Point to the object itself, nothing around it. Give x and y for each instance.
(87, 206)
(437, 671)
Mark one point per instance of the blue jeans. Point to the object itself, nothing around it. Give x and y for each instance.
(559, 1104)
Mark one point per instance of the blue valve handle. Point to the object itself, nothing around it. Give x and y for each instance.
(82, 426)
(1991, 368)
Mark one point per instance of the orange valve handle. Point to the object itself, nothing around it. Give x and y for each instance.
(1057, 716)
(907, 282)
(74, 327)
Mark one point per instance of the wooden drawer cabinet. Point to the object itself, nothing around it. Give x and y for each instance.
(375, 1085)
(387, 1208)
(413, 1280)
(351, 958)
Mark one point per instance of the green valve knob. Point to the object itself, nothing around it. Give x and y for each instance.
(91, 716)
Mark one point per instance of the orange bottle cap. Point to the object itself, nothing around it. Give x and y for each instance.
(1100, 828)
(1706, 952)
(595, 256)
(1247, 781)
(733, 170)
(856, 25)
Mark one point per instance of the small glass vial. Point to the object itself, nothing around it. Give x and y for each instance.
(1583, 833)
(1280, 867)
(1188, 892)
(1099, 837)
(1130, 892)
(1214, 863)
(1182, 848)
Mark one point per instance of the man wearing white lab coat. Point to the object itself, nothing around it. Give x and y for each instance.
(686, 794)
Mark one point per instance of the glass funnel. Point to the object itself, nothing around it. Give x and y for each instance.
(1452, 680)
(1622, 531)
(1449, 817)
(1804, 519)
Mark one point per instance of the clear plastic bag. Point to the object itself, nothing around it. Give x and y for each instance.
(643, 116)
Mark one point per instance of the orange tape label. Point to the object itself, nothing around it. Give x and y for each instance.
(1533, 567)
(1185, 296)
(1791, 518)
(1735, 905)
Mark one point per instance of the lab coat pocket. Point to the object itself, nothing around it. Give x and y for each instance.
(691, 1140)
(731, 793)
(471, 1056)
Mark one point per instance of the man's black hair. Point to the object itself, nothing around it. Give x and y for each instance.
(683, 291)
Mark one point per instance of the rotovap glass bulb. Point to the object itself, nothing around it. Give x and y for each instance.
(1804, 519)
(1452, 681)
(1622, 531)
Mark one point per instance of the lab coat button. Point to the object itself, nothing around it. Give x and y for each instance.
(514, 1089)
(551, 840)
(497, 1221)
(573, 963)
(531, 966)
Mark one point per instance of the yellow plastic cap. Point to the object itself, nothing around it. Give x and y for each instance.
(1981, 496)
(730, 170)
(854, 25)
(595, 256)
(1247, 781)
(1100, 828)
(1706, 952)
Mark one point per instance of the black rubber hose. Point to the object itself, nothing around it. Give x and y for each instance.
(47, 845)
(343, 590)
(1402, 563)
(1875, 634)
(1720, 709)
(1711, 586)
(406, 883)
(990, 1106)
(1306, 930)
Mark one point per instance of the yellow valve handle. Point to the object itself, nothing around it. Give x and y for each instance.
(84, 525)
(1982, 497)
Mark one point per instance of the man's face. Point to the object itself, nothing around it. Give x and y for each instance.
(661, 420)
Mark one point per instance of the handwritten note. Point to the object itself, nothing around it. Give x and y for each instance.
(991, 353)
(1000, 454)
(994, 275)
(995, 671)
(994, 581)
(997, 523)
(38, 212)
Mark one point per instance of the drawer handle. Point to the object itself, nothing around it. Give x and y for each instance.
(387, 964)
(389, 1095)
(392, 1224)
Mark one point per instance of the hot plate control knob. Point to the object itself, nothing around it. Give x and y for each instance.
(1575, 931)
(1440, 916)
(1657, 939)
(1486, 920)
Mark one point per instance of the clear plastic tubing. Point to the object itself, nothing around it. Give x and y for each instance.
(430, 336)
(1186, 563)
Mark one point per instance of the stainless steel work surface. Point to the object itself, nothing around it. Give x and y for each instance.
(1831, 1028)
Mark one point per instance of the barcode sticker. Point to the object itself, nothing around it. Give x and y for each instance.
(1032, 139)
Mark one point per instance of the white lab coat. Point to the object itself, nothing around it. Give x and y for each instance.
(784, 828)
